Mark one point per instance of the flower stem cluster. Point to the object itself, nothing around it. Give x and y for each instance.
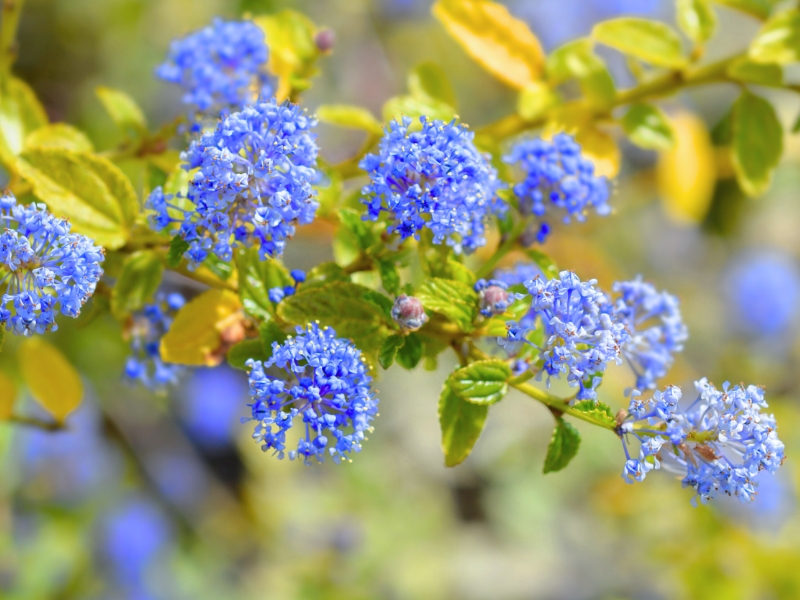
(719, 444)
(45, 268)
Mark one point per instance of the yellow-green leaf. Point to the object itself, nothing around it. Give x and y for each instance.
(137, 282)
(578, 60)
(535, 100)
(483, 382)
(504, 45)
(648, 127)
(415, 107)
(59, 135)
(686, 175)
(195, 333)
(90, 191)
(8, 395)
(757, 142)
(51, 379)
(747, 71)
(353, 117)
(461, 423)
(123, 110)
(650, 41)
(429, 79)
(21, 113)
(779, 39)
(696, 19)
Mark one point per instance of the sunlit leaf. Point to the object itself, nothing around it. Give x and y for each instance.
(504, 45)
(461, 423)
(138, 281)
(757, 142)
(779, 39)
(52, 380)
(648, 127)
(650, 41)
(429, 79)
(353, 117)
(600, 412)
(59, 135)
(577, 60)
(123, 110)
(535, 100)
(696, 19)
(21, 113)
(483, 382)
(747, 71)
(455, 300)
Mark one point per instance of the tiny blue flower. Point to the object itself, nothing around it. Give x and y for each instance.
(655, 326)
(276, 295)
(434, 178)
(331, 395)
(557, 179)
(251, 184)
(219, 67)
(47, 268)
(298, 275)
(147, 328)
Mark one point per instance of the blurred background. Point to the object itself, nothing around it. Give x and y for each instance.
(165, 496)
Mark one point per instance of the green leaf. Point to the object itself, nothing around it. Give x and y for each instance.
(243, 351)
(21, 113)
(461, 423)
(458, 272)
(502, 44)
(578, 60)
(414, 107)
(123, 110)
(323, 274)
(348, 308)
(430, 80)
(597, 411)
(359, 229)
(779, 39)
(696, 19)
(544, 262)
(649, 41)
(256, 278)
(390, 277)
(59, 135)
(747, 71)
(411, 353)
(648, 127)
(136, 284)
(389, 349)
(177, 247)
(757, 8)
(90, 191)
(52, 380)
(563, 446)
(353, 117)
(535, 100)
(483, 382)
(292, 51)
(455, 300)
(270, 332)
(757, 142)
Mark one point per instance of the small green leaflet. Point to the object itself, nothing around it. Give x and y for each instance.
(483, 382)
(563, 446)
(599, 412)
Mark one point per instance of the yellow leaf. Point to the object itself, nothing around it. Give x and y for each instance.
(687, 174)
(499, 42)
(195, 334)
(52, 380)
(8, 394)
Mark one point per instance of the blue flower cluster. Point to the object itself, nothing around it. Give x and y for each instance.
(655, 326)
(557, 177)
(719, 443)
(580, 336)
(47, 268)
(277, 294)
(220, 66)
(434, 178)
(251, 183)
(332, 394)
(146, 330)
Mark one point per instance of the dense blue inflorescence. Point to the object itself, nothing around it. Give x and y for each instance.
(47, 268)
(331, 394)
(557, 180)
(219, 67)
(655, 326)
(251, 184)
(580, 337)
(434, 178)
(720, 443)
(147, 328)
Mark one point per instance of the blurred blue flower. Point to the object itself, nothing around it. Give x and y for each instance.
(762, 291)
(210, 405)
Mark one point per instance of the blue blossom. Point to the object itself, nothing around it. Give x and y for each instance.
(434, 178)
(518, 274)
(277, 294)
(579, 336)
(219, 67)
(764, 292)
(720, 443)
(47, 268)
(655, 326)
(251, 184)
(557, 180)
(331, 394)
(146, 330)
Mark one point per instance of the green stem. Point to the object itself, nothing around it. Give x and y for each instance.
(506, 247)
(12, 11)
(559, 404)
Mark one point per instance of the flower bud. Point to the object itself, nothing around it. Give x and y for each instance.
(494, 297)
(409, 313)
(325, 40)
